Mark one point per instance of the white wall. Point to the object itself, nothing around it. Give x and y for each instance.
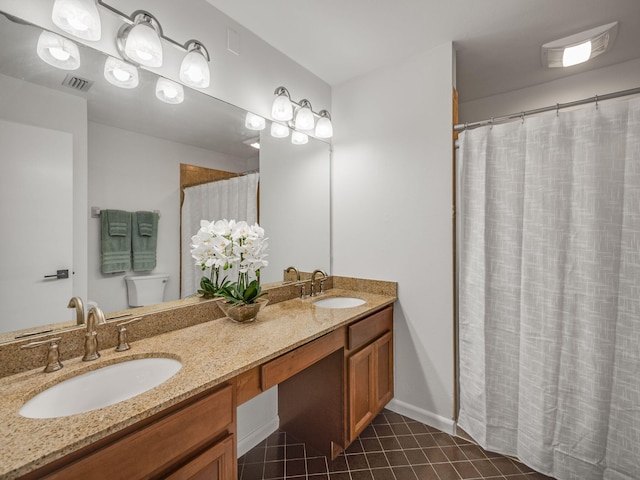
(391, 180)
(575, 87)
(30, 104)
(146, 171)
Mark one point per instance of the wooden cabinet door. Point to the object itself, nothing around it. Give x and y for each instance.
(361, 390)
(370, 383)
(215, 463)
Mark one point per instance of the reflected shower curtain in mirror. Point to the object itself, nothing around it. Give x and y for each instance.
(549, 290)
(234, 199)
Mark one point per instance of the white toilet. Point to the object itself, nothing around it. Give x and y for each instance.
(146, 289)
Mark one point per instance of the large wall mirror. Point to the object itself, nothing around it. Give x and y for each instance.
(69, 148)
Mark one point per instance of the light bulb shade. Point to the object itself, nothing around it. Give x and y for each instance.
(304, 116)
(140, 43)
(194, 70)
(299, 138)
(121, 74)
(254, 122)
(279, 131)
(282, 109)
(576, 54)
(169, 92)
(58, 51)
(324, 128)
(80, 18)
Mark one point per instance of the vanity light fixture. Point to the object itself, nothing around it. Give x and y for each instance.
(80, 18)
(254, 122)
(579, 48)
(140, 42)
(121, 74)
(324, 128)
(58, 51)
(194, 70)
(282, 109)
(299, 138)
(279, 131)
(300, 114)
(169, 92)
(304, 116)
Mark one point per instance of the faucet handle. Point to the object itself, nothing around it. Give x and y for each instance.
(123, 343)
(53, 353)
(302, 292)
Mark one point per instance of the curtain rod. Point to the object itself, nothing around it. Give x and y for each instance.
(505, 118)
(227, 177)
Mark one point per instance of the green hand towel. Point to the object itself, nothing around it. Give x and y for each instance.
(115, 241)
(144, 241)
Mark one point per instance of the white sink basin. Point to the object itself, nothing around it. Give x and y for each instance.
(100, 388)
(339, 302)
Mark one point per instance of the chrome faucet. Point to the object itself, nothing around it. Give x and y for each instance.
(313, 282)
(294, 269)
(76, 302)
(91, 335)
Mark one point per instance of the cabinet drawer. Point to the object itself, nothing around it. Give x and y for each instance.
(289, 364)
(367, 330)
(146, 452)
(215, 463)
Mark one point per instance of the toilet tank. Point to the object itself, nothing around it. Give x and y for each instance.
(145, 290)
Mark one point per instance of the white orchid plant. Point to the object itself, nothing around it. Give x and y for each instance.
(223, 244)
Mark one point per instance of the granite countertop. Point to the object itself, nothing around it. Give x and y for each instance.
(211, 353)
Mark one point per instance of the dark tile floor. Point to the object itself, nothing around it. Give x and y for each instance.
(393, 447)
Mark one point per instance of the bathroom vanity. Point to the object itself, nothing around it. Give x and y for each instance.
(333, 366)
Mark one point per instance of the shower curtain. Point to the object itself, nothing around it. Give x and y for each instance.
(549, 290)
(232, 199)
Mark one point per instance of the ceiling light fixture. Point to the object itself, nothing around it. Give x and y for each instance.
(58, 51)
(169, 92)
(279, 131)
(254, 122)
(121, 74)
(579, 48)
(302, 117)
(140, 42)
(80, 18)
(194, 70)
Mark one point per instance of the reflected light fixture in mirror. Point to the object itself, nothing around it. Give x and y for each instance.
(299, 138)
(304, 116)
(254, 122)
(324, 128)
(169, 92)
(121, 74)
(279, 131)
(194, 69)
(282, 109)
(57, 51)
(80, 18)
(140, 43)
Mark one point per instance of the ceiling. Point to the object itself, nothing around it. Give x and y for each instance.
(497, 41)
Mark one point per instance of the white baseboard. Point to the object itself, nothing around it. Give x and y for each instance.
(418, 414)
(254, 438)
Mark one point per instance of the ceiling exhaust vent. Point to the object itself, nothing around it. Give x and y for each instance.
(77, 83)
